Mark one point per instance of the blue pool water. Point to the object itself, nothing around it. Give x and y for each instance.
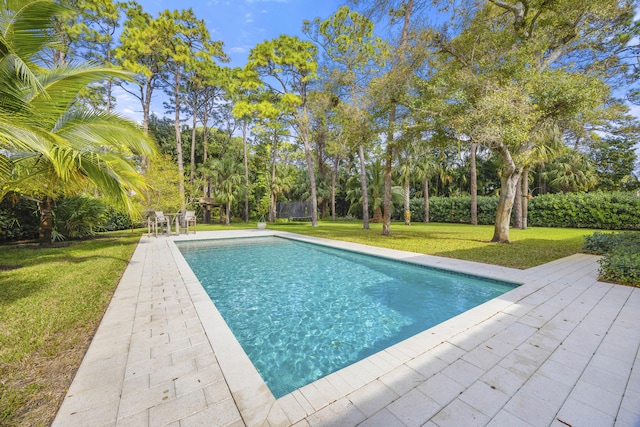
(301, 311)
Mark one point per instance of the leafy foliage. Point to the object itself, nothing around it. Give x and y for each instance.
(621, 266)
(18, 219)
(609, 211)
(79, 216)
(621, 261)
(602, 243)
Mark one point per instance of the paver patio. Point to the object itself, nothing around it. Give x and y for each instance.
(559, 350)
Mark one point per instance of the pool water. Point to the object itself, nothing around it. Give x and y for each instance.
(302, 311)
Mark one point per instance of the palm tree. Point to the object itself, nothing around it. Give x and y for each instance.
(228, 182)
(571, 172)
(51, 147)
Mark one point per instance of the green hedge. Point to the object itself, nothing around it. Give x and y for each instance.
(607, 211)
(455, 209)
(621, 260)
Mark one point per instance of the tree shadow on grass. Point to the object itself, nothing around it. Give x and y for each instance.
(521, 254)
(17, 280)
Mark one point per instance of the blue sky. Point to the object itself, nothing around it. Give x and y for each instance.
(240, 24)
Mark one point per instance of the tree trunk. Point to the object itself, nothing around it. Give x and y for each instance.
(205, 156)
(407, 202)
(45, 206)
(425, 191)
(176, 125)
(365, 190)
(474, 184)
(517, 207)
(312, 174)
(272, 196)
(192, 170)
(246, 172)
(109, 81)
(334, 178)
(525, 199)
(145, 100)
(509, 180)
(388, 164)
(227, 217)
(386, 223)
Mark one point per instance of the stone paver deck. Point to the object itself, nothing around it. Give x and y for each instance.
(560, 350)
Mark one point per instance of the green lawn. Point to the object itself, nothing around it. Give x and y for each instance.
(51, 300)
(529, 248)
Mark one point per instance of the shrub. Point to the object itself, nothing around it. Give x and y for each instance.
(621, 260)
(602, 243)
(606, 211)
(19, 219)
(455, 209)
(116, 220)
(621, 266)
(79, 216)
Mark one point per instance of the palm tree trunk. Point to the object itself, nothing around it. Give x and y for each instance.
(474, 184)
(407, 202)
(525, 198)
(246, 172)
(45, 206)
(365, 191)
(386, 214)
(227, 217)
(312, 174)
(272, 196)
(334, 178)
(425, 192)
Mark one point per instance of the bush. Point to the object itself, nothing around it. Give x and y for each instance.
(19, 219)
(621, 261)
(621, 266)
(79, 216)
(116, 220)
(606, 211)
(602, 243)
(455, 209)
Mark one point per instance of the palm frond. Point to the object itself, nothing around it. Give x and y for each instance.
(62, 85)
(102, 129)
(24, 31)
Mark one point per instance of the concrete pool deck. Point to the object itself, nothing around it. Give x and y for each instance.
(562, 349)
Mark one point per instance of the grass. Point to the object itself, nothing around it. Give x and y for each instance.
(52, 300)
(529, 248)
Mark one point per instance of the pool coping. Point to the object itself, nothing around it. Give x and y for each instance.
(163, 356)
(253, 398)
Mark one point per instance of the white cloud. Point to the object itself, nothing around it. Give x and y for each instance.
(248, 18)
(237, 50)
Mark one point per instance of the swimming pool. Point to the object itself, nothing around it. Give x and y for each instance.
(301, 311)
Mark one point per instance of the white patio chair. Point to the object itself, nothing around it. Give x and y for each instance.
(158, 220)
(189, 218)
